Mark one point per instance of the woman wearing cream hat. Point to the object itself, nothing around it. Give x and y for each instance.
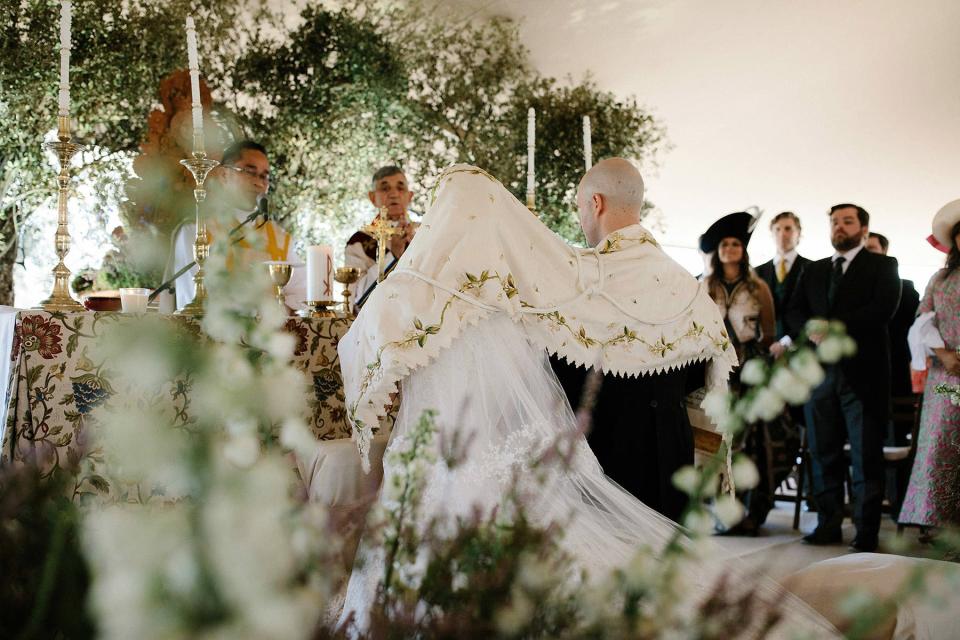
(933, 495)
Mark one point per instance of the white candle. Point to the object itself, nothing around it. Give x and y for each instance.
(319, 273)
(66, 15)
(531, 146)
(587, 144)
(193, 60)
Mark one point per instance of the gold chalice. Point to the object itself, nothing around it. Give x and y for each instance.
(346, 276)
(280, 275)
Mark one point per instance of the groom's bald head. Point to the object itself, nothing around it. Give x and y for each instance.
(610, 197)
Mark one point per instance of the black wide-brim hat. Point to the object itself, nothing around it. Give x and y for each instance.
(733, 225)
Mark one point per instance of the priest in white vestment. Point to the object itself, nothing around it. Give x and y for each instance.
(236, 189)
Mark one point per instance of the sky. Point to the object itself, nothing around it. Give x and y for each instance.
(785, 105)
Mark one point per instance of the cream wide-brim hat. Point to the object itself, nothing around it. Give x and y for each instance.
(944, 221)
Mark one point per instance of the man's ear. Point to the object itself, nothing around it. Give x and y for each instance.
(371, 195)
(599, 204)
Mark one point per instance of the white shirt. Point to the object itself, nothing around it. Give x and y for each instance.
(790, 257)
(296, 289)
(848, 256)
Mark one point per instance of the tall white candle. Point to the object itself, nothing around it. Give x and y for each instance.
(587, 144)
(531, 146)
(319, 273)
(193, 60)
(66, 16)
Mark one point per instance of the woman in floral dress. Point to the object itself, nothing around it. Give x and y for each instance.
(932, 496)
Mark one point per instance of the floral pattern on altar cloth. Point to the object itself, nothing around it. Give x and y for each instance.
(56, 387)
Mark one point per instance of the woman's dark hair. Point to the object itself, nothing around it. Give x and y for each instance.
(953, 258)
(715, 279)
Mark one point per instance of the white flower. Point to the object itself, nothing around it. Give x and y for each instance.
(745, 474)
(765, 405)
(640, 574)
(790, 387)
(686, 479)
(807, 368)
(512, 619)
(281, 344)
(816, 326)
(242, 450)
(730, 424)
(716, 404)
(296, 436)
(849, 346)
(698, 522)
(754, 372)
(729, 510)
(830, 350)
(534, 573)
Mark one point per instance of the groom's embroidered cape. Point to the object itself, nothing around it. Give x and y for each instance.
(623, 307)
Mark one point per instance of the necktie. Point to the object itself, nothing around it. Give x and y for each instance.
(782, 270)
(835, 276)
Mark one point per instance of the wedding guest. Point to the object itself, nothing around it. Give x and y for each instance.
(899, 326)
(236, 191)
(862, 290)
(932, 498)
(390, 189)
(782, 272)
(748, 307)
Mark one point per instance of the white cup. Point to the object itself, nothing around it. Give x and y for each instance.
(134, 300)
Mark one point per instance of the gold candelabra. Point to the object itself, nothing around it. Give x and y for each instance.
(200, 166)
(381, 230)
(65, 148)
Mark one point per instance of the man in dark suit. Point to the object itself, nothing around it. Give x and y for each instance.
(782, 272)
(640, 431)
(862, 290)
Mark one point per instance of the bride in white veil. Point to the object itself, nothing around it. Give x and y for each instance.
(464, 325)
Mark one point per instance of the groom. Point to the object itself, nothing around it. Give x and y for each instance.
(640, 431)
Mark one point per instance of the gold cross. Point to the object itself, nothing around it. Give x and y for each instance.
(381, 230)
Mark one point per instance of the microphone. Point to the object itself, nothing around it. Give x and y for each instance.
(263, 207)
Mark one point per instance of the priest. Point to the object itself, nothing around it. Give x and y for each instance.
(389, 192)
(237, 194)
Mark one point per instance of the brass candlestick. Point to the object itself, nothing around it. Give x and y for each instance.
(200, 166)
(381, 230)
(532, 202)
(346, 276)
(280, 273)
(65, 148)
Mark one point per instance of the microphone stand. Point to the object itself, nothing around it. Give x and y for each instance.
(166, 286)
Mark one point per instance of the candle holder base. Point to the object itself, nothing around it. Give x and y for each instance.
(319, 309)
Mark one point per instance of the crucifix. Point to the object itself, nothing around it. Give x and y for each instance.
(381, 230)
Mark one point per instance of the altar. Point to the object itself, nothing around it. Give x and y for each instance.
(51, 382)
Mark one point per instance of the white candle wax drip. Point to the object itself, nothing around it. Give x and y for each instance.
(587, 144)
(531, 146)
(66, 16)
(193, 60)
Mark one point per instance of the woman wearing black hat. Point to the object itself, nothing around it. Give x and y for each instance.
(748, 310)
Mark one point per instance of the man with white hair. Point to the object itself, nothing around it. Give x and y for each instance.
(640, 430)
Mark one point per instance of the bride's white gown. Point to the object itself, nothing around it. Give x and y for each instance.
(496, 391)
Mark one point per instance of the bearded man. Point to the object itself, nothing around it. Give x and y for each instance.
(861, 289)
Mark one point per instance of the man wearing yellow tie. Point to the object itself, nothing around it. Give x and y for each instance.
(781, 273)
(237, 191)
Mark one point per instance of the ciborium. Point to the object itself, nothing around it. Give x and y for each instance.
(346, 276)
(65, 148)
(199, 166)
